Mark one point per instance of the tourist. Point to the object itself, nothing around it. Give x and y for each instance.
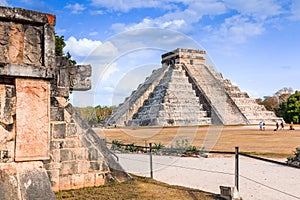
(292, 126)
(260, 125)
(282, 125)
(277, 126)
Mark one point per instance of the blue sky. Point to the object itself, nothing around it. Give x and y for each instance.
(254, 43)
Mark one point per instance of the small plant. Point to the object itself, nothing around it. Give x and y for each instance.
(116, 145)
(130, 147)
(295, 160)
(158, 146)
(192, 148)
(202, 150)
(183, 144)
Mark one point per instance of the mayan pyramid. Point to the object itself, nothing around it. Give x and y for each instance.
(187, 92)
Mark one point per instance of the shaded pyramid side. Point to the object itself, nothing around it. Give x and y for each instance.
(172, 103)
(130, 106)
(254, 112)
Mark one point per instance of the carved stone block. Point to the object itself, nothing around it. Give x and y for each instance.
(32, 115)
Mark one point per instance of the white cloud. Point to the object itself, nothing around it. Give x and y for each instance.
(108, 89)
(257, 8)
(236, 29)
(105, 50)
(81, 47)
(93, 33)
(3, 3)
(179, 19)
(97, 12)
(176, 24)
(125, 6)
(110, 70)
(76, 8)
(295, 10)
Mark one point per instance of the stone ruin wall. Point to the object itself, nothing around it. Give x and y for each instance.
(43, 141)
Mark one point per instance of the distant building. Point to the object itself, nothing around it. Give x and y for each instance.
(186, 92)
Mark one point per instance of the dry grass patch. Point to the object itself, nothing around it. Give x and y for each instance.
(268, 143)
(141, 188)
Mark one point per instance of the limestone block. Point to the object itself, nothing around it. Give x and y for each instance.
(67, 155)
(72, 130)
(59, 130)
(70, 143)
(78, 77)
(54, 179)
(56, 144)
(89, 180)
(83, 167)
(32, 138)
(25, 180)
(8, 182)
(65, 182)
(7, 104)
(81, 153)
(56, 155)
(77, 181)
(33, 41)
(95, 166)
(93, 154)
(53, 166)
(57, 114)
(99, 179)
(68, 168)
(16, 47)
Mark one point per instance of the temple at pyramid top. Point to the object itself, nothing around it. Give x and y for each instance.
(187, 92)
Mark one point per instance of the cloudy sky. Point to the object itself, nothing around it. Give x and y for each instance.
(254, 43)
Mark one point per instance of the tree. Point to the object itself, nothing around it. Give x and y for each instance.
(59, 46)
(277, 102)
(292, 112)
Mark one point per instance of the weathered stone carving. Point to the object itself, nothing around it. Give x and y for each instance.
(37, 124)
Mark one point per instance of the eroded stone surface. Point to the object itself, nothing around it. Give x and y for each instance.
(32, 115)
(25, 180)
(30, 129)
(7, 121)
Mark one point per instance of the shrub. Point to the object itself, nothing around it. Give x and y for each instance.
(295, 160)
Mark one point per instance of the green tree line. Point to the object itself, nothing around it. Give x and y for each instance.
(95, 115)
(285, 104)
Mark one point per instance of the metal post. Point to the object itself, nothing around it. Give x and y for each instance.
(237, 168)
(151, 167)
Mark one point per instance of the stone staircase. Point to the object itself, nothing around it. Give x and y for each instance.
(132, 103)
(223, 107)
(254, 112)
(172, 103)
(184, 92)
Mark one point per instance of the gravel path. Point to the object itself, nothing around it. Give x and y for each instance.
(258, 179)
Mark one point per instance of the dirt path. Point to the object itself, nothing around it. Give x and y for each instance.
(258, 179)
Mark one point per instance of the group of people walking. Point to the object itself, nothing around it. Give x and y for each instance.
(282, 126)
(262, 126)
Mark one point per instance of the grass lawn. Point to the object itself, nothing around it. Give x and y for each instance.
(141, 188)
(268, 143)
